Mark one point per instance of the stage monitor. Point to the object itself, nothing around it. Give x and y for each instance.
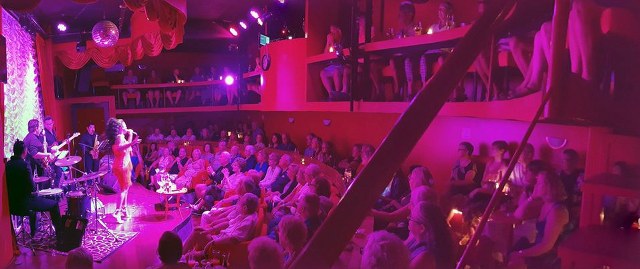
(264, 40)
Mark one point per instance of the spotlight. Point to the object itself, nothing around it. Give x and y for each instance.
(62, 27)
(254, 14)
(281, 1)
(243, 25)
(260, 21)
(233, 31)
(229, 80)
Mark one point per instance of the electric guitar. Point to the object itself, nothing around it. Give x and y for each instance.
(55, 150)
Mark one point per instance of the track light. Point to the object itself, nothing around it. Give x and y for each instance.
(243, 25)
(260, 21)
(254, 14)
(233, 31)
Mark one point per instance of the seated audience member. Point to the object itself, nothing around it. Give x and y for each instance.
(179, 162)
(160, 167)
(572, 177)
(552, 219)
(189, 136)
(621, 212)
(224, 160)
(283, 179)
(154, 94)
(152, 154)
(367, 153)
(384, 251)
(246, 140)
(173, 136)
(193, 172)
(273, 171)
(250, 157)
(232, 177)
(276, 140)
(316, 145)
(497, 166)
(174, 94)
(287, 145)
(464, 172)
(276, 197)
(404, 64)
(264, 253)
(207, 155)
(235, 153)
(445, 23)
(392, 196)
(170, 252)
(239, 229)
(519, 170)
(333, 76)
(130, 78)
(353, 162)
(79, 258)
(292, 234)
(309, 152)
(156, 137)
(261, 163)
(309, 210)
(205, 135)
(430, 243)
(259, 142)
(195, 91)
(310, 173)
(171, 145)
(222, 147)
(326, 154)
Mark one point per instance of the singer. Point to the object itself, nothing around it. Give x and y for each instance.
(121, 139)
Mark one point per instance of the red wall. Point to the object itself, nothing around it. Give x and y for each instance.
(6, 244)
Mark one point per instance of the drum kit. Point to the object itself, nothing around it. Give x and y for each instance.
(81, 192)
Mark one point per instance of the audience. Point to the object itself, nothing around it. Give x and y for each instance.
(429, 242)
(174, 94)
(156, 137)
(292, 235)
(189, 136)
(79, 258)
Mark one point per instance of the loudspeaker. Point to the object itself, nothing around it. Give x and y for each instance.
(110, 183)
(72, 232)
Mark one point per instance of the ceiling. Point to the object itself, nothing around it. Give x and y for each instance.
(207, 20)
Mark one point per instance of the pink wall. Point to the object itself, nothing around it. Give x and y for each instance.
(6, 245)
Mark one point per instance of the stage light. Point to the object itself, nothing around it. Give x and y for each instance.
(229, 80)
(254, 14)
(233, 31)
(62, 27)
(261, 80)
(260, 21)
(243, 25)
(281, 1)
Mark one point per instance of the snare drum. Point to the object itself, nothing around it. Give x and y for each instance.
(53, 194)
(78, 204)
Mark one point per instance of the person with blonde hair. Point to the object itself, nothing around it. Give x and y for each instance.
(264, 253)
(292, 234)
(384, 251)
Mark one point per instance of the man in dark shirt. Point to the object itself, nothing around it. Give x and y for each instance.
(309, 210)
(34, 148)
(87, 143)
(283, 178)
(50, 136)
(21, 190)
(572, 177)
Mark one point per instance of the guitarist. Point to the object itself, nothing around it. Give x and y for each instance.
(90, 150)
(35, 150)
(50, 136)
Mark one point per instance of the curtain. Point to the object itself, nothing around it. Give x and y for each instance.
(22, 92)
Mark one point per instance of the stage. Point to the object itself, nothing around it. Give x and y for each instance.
(138, 252)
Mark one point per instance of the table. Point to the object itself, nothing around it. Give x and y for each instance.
(166, 195)
(598, 246)
(419, 43)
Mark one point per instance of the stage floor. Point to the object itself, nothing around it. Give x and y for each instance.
(139, 252)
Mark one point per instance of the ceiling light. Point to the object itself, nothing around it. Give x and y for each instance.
(233, 31)
(260, 21)
(229, 80)
(281, 1)
(254, 14)
(62, 27)
(243, 25)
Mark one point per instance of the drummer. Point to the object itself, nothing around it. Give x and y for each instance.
(21, 190)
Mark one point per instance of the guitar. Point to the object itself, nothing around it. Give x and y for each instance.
(55, 150)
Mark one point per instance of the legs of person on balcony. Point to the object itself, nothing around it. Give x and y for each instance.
(151, 95)
(399, 78)
(131, 94)
(483, 67)
(334, 82)
(411, 71)
(173, 96)
(583, 32)
(533, 78)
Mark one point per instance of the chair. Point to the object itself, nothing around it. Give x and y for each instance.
(23, 237)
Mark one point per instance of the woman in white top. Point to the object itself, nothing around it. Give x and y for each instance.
(272, 172)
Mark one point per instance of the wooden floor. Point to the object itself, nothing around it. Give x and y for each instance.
(140, 252)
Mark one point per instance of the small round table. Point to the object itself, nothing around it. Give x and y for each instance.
(169, 193)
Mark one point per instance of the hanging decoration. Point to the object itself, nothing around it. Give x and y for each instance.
(105, 34)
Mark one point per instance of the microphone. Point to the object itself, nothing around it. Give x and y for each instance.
(133, 132)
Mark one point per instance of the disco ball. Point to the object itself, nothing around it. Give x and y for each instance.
(105, 34)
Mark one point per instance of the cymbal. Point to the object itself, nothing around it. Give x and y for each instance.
(92, 175)
(40, 179)
(68, 161)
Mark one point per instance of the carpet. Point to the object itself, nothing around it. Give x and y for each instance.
(100, 244)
